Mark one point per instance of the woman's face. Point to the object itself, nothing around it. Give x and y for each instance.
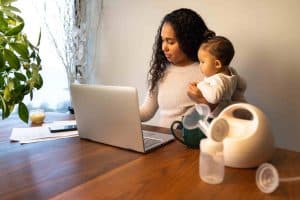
(170, 47)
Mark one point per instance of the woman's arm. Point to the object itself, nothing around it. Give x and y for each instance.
(149, 106)
(239, 93)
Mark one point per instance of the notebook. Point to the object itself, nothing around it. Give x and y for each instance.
(110, 115)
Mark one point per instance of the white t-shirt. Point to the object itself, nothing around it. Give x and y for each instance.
(219, 88)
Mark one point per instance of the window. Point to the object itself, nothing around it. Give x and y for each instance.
(55, 19)
(64, 49)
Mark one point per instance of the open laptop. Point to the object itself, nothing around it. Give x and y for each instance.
(110, 115)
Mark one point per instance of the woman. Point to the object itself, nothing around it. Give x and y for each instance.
(174, 65)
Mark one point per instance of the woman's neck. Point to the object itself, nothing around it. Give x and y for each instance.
(183, 63)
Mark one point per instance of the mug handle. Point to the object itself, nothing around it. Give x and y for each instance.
(173, 132)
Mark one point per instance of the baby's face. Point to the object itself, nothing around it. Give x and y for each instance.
(207, 63)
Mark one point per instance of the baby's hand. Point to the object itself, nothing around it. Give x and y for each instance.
(192, 89)
(195, 95)
(193, 84)
(193, 92)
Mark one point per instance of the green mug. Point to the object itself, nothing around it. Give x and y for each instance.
(189, 137)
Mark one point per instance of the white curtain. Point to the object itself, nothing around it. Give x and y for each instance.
(58, 21)
(62, 48)
(70, 36)
(94, 10)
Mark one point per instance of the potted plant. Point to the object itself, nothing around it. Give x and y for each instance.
(20, 63)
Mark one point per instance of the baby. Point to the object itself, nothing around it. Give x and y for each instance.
(220, 80)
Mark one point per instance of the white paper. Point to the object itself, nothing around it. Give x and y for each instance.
(41, 133)
(45, 139)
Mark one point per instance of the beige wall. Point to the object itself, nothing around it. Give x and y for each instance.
(265, 34)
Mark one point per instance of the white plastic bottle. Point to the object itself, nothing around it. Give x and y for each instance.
(211, 161)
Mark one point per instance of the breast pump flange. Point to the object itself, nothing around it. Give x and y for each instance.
(267, 178)
(244, 130)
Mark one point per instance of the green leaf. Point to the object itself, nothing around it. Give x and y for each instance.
(19, 19)
(9, 109)
(3, 105)
(5, 113)
(7, 2)
(39, 82)
(10, 85)
(39, 40)
(12, 8)
(32, 55)
(38, 59)
(1, 82)
(20, 49)
(11, 17)
(12, 59)
(28, 74)
(23, 112)
(25, 89)
(15, 30)
(6, 94)
(35, 71)
(20, 76)
(2, 63)
(17, 89)
(3, 23)
(3, 41)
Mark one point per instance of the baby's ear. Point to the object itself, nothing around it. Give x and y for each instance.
(218, 64)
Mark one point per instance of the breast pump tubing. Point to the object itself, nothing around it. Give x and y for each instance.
(290, 179)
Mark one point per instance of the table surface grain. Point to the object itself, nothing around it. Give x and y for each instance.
(74, 168)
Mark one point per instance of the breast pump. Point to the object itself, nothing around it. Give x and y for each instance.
(244, 130)
(241, 135)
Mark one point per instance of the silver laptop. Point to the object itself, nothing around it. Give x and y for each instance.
(110, 115)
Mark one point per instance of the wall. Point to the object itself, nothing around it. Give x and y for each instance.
(266, 39)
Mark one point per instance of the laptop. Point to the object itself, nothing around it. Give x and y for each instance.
(110, 115)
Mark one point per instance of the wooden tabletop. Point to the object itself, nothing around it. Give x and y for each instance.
(74, 168)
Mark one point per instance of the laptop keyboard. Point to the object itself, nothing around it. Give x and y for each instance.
(148, 142)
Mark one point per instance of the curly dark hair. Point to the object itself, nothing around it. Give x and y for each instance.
(190, 30)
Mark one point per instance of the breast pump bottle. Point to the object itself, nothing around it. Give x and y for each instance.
(211, 161)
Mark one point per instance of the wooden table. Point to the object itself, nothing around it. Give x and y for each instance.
(73, 168)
